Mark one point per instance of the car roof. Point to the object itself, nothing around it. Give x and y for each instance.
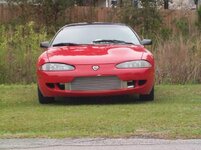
(93, 23)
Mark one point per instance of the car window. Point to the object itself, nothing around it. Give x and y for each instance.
(86, 34)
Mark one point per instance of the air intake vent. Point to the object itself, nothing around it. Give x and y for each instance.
(96, 83)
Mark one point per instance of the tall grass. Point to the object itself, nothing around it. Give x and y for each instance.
(19, 49)
(178, 55)
(178, 59)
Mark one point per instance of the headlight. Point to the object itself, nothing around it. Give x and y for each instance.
(134, 64)
(56, 67)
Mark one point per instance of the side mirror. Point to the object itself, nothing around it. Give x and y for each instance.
(45, 44)
(146, 42)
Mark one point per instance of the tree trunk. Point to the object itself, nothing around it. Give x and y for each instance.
(120, 3)
(166, 4)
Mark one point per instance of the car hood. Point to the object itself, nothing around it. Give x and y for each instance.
(92, 54)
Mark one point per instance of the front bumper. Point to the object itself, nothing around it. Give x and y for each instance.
(138, 81)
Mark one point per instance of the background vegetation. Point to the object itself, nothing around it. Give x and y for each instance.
(175, 113)
(19, 50)
(177, 44)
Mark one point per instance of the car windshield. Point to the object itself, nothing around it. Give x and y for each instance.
(95, 34)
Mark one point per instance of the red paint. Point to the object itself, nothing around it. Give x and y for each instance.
(83, 57)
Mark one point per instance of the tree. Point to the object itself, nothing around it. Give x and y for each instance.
(79, 2)
(53, 10)
(50, 11)
(146, 20)
(152, 3)
(120, 3)
(166, 4)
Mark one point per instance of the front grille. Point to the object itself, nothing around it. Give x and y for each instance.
(96, 83)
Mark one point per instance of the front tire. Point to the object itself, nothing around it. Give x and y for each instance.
(147, 97)
(44, 100)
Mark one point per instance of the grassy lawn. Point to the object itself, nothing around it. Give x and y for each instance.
(176, 113)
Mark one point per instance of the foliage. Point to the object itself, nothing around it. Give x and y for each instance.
(144, 3)
(178, 52)
(19, 50)
(178, 60)
(165, 33)
(79, 2)
(48, 12)
(199, 17)
(176, 43)
(146, 20)
(182, 25)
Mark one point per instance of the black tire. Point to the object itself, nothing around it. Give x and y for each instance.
(147, 97)
(44, 100)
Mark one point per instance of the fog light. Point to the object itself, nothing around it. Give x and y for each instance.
(61, 86)
(130, 84)
(50, 85)
(142, 82)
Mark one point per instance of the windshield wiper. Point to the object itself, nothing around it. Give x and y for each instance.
(66, 44)
(112, 41)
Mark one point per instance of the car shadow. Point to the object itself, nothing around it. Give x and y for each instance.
(105, 100)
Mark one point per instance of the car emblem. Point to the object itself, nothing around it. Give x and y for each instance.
(95, 68)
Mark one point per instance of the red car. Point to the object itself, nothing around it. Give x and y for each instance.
(95, 59)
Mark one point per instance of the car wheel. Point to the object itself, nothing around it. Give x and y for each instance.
(147, 97)
(44, 100)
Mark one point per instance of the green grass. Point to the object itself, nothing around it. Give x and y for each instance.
(176, 113)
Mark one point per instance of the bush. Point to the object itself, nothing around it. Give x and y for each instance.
(182, 26)
(146, 20)
(51, 13)
(178, 60)
(19, 50)
(199, 17)
(177, 49)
